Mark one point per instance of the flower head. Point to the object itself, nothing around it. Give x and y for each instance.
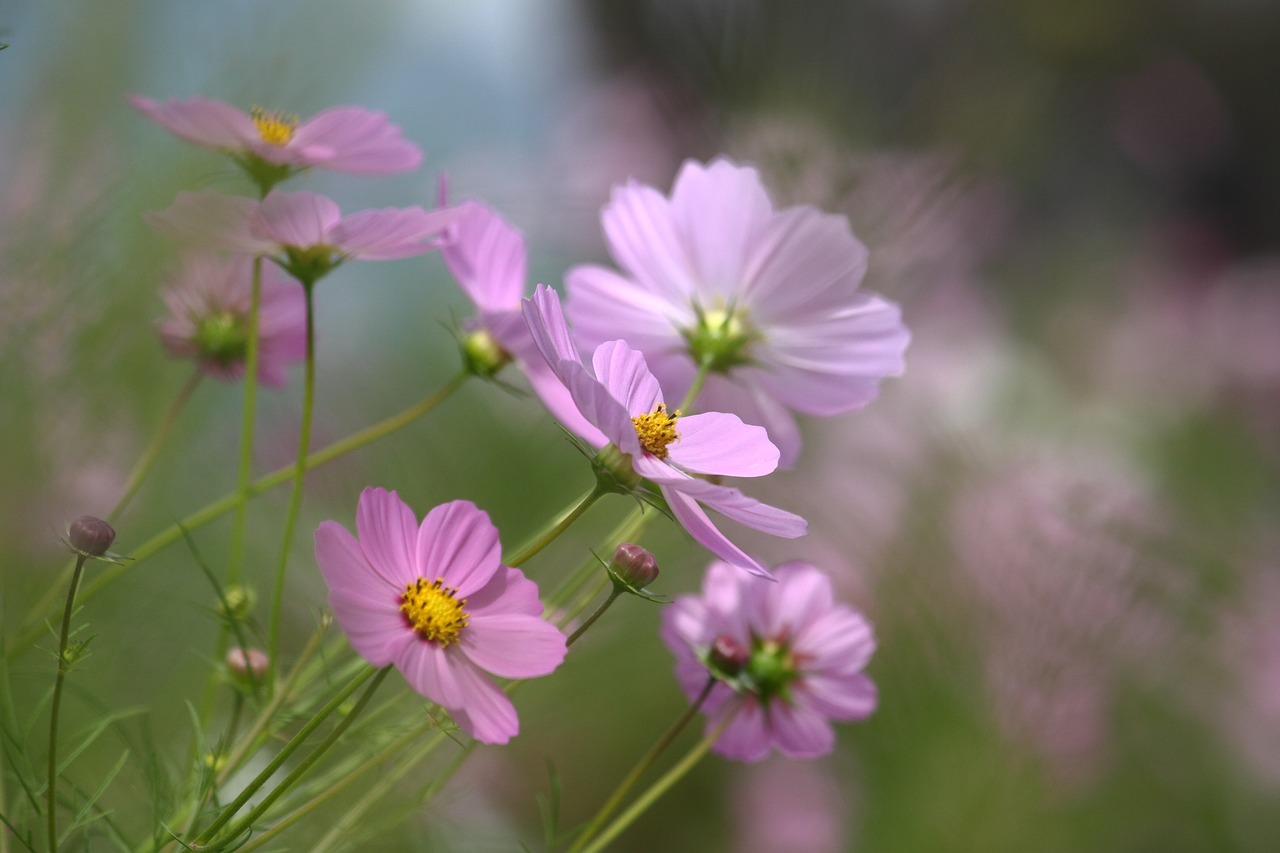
(624, 407)
(487, 257)
(342, 139)
(436, 601)
(767, 299)
(209, 319)
(306, 234)
(800, 658)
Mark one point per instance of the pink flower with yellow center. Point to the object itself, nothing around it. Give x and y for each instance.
(209, 319)
(787, 660)
(624, 410)
(341, 139)
(768, 300)
(435, 600)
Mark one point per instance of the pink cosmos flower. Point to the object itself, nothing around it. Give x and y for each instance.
(769, 299)
(487, 257)
(436, 601)
(624, 407)
(305, 233)
(786, 657)
(209, 317)
(343, 139)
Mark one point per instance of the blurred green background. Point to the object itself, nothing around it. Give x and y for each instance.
(1060, 519)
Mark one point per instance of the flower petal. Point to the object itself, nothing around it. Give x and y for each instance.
(203, 121)
(719, 443)
(458, 542)
(432, 671)
(545, 318)
(366, 609)
(719, 210)
(844, 697)
(299, 219)
(624, 374)
(803, 595)
(486, 713)
(642, 236)
(487, 257)
(213, 220)
(799, 731)
(359, 141)
(741, 508)
(391, 233)
(747, 738)
(695, 521)
(513, 645)
(604, 305)
(388, 534)
(802, 259)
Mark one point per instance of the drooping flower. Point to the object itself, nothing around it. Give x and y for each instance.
(786, 657)
(341, 139)
(305, 233)
(436, 601)
(488, 258)
(767, 300)
(209, 319)
(625, 410)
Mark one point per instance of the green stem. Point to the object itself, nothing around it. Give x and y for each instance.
(704, 370)
(560, 525)
(283, 755)
(244, 469)
(54, 711)
(582, 629)
(30, 632)
(295, 498)
(658, 788)
(626, 531)
(305, 765)
(644, 764)
(148, 458)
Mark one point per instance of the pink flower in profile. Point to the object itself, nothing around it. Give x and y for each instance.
(342, 139)
(304, 233)
(787, 660)
(769, 300)
(436, 601)
(487, 257)
(209, 319)
(624, 408)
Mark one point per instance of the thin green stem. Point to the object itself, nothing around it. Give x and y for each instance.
(644, 764)
(148, 458)
(560, 525)
(305, 765)
(225, 504)
(627, 530)
(704, 370)
(283, 755)
(295, 497)
(582, 629)
(244, 468)
(55, 708)
(660, 787)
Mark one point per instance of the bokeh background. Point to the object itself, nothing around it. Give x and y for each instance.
(1061, 519)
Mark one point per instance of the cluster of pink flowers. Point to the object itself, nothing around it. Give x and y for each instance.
(751, 314)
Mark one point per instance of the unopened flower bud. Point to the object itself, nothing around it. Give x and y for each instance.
(237, 602)
(91, 536)
(247, 665)
(634, 566)
(482, 353)
(727, 657)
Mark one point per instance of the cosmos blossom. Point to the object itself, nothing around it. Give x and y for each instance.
(305, 233)
(786, 658)
(767, 300)
(435, 600)
(341, 139)
(488, 258)
(209, 319)
(624, 407)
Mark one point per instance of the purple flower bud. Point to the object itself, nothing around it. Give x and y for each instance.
(91, 536)
(247, 665)
(727, 657)
(634, 566)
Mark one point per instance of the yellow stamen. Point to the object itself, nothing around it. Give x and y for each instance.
(433, 611)
(656, 430)
(274, 128)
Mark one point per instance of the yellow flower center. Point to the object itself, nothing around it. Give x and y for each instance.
(656, 430)
(433, 611)
(274, 128)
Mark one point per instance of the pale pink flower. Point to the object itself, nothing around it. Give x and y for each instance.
(341, 139)
(303, 232)
(436, 601)
(787, 660)
(623, 406)
(768, 298)
(209, 319)
(488, 258)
